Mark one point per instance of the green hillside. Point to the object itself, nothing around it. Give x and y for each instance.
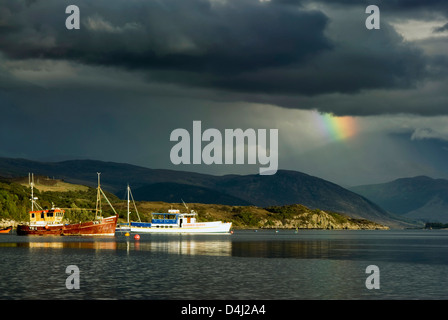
(14, 201)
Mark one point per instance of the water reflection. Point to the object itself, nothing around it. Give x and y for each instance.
(185, 247)
(380, 246)
(302, 249)
(284, 249)
(245, 265)
(97, 245)
(181, 247)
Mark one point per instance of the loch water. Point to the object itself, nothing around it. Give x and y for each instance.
(248, 265)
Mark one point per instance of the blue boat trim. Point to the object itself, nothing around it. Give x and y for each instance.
(141, 224)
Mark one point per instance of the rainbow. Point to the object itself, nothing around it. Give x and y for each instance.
(336, 128)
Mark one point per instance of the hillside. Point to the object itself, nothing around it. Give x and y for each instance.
(420, 198)
(14, 206)
(49, 184)
(283, 188)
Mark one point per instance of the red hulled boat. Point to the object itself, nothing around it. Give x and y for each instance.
(49, 222)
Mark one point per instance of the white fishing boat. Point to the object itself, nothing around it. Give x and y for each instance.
(176, 222)
(173, 222)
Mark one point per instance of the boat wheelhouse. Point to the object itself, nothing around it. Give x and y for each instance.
(44, 217)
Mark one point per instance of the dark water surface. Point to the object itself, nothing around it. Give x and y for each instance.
(248, 265)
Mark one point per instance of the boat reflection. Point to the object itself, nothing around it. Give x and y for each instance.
(187, 247)
(97, 245)
(181, 247)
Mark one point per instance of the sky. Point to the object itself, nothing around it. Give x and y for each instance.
(351, 105)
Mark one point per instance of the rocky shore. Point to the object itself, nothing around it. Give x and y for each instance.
(322, 220)
(6, 223)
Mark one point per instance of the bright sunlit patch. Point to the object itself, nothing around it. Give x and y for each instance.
(412, 30)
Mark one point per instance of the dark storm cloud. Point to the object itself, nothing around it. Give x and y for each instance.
(192, 36)
(244, 46)
(262, 51)
(138, 69)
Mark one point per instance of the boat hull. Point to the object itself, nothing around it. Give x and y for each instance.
(122, 228)
(6, 230)
(205, 227)
(103, 227)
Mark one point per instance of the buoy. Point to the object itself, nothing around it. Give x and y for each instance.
(137, 237)
(127, 234)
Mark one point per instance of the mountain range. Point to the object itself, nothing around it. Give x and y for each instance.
(417, 198)
(284, 188)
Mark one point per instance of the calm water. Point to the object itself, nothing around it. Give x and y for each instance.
(245, 265)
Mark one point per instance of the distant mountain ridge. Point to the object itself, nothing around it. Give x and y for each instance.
(174, 192)
(419, 198)
(284, 188)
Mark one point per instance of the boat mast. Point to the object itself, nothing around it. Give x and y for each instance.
(128, 205)
(33, 198)
(98, 197)
(130, 196)
(31, 182)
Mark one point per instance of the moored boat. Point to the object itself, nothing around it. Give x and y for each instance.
(6, 229)
(176, 222)
(49, 221)
(171, 222)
